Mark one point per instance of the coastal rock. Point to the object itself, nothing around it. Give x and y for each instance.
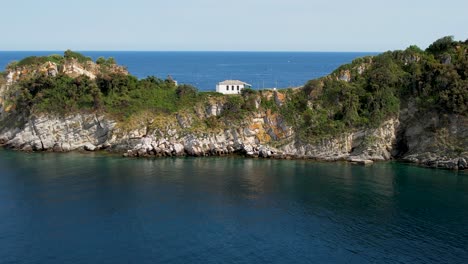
(462, 164)
(279, 98)
(214, 109)
(178, 149)
(42, 133)
(253, 139)
(345, 76)
(247, 148)
(361, 161)
(89, 147)
(142, 152)
(57, 148)
(451, 164)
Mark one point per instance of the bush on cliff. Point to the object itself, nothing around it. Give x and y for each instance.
(186, 91)
(68, 54)
(117, 94)
(60, 94)
(55, 58)
(106, 62)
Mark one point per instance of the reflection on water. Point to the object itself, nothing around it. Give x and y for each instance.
(82, 208)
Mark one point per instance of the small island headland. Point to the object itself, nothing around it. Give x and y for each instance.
(409, 105)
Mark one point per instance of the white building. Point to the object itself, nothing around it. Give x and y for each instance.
(231, 87)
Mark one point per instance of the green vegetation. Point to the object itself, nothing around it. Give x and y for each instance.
(33, 60)
(186, 91)
(269, 104)
(435, 79)
(61, 94)
(58, 59)
(361, 94)
(68, 54)
(107, 62)
(117, 94)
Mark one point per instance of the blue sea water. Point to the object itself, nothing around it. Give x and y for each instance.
(76, 208)
(94, 208)
(205, 69)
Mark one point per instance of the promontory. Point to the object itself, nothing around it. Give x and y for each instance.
(409, 105)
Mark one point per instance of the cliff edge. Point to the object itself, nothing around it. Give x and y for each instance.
(408, 105)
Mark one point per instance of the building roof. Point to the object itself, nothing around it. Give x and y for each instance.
(232, 82)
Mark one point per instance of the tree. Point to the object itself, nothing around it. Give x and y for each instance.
(68, 54)
(96, 94)
(415, 49)
(186, 90)
(247, 91)
(100, 60)
(12, 65)
(111, 61)
(441, 45)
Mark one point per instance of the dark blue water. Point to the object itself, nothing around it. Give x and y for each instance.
(77, 208)
(205, 69)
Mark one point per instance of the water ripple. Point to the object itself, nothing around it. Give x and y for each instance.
(78, 208)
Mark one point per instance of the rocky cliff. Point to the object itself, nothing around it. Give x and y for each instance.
(402, 105)
(433, 141)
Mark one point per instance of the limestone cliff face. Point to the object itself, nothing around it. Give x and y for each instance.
(368, 144)
(434, 141)
(263, 133)
(39, 133)
(49, 132)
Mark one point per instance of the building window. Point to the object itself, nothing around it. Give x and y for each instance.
(232, 88)
(227, 87)
(237, 87)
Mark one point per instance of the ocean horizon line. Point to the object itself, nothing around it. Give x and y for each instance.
(199, 51)
(204, 69)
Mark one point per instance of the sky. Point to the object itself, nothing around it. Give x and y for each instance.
(229, 25)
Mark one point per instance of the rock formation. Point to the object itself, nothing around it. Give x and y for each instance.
(428, 138)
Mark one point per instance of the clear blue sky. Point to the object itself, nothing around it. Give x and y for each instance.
(279, 25)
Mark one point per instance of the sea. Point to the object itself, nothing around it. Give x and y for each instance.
(99, 208)
(205, 69)
(102, 208)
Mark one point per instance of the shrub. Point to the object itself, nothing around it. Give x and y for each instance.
(441, 45)
(68, 54)
(186, 91)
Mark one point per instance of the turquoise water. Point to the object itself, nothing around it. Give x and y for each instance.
(94, 208)
(205, 69)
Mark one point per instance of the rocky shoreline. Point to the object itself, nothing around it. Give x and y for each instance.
(145, 150)
(92, 132)
(263, 153)
(253, 126)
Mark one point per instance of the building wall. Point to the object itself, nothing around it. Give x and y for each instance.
(223, 89)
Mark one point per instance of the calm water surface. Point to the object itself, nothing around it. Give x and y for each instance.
(77, 208)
